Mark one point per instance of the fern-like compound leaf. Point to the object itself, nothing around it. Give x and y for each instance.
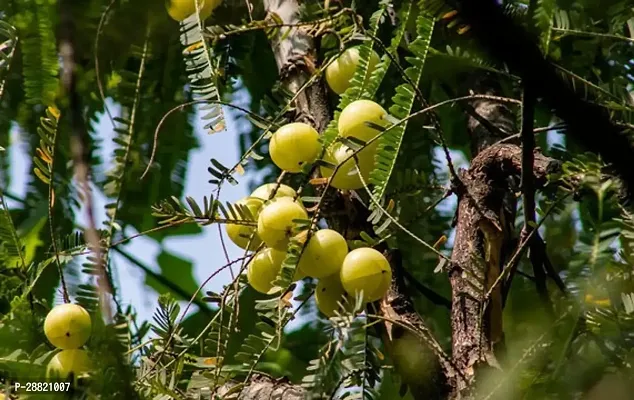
(403, 103)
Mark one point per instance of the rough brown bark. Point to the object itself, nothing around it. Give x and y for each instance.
(262, 388)
(477, 254)
(296, 57)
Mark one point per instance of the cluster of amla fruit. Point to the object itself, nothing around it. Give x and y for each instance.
(325, 255)
(68, 327)
(353, 122)
(181, 9)
(297, 144)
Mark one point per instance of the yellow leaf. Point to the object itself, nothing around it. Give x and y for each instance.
(440, 242)
(286, 299)
(378, 353)
(301, 237)
(390, 206)
(193, 47)
(240, 169)
(212, 360)
(450, 14)
(41, 176)
(219, 127)
(464, 29)
(54, 111)
(590, 299)
(603, 302)
(44, 156)
(319, 181)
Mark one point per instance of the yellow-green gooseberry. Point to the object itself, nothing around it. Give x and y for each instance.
(68, 326)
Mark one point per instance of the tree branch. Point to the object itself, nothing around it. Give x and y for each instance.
(477, 254)
(80, 148)
(528, 192)
(179, 291)
(296, 57)
(431, 294)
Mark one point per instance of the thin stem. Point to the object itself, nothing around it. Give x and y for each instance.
(180, 107)
(164, 281)
(592, 34)
(522, 246)
(50, 206)
(102, 94)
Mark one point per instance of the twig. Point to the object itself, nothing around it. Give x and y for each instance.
(125, 157)
(102, 94)
(183, 314)
(421, 99)
(50, 207)
(592, 34)
(528, 188)
(535, 131)
(528, 191)
(14, 197)
(468, 108)
(180, 107)
(523, 244)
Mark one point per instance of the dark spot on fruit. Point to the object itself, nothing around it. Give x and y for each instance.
(68, 334)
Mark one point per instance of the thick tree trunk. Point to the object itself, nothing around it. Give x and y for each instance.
(476, 320)
(296, 57)
(484, 239)
(485, 218)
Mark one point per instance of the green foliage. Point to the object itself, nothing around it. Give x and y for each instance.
(39, 52)
(11, 246)
(201, 71)
(404, 99)
(544, 14)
